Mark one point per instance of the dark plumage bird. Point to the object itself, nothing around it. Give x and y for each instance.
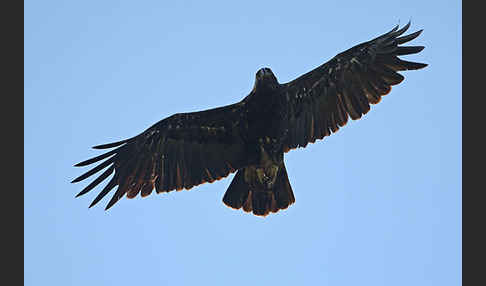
(250, 137)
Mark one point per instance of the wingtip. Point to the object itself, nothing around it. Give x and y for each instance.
(113, 200)
(99, 146)
(408, 22)
(111, 145)
(409, 37)
(421, 65)
(93, 203)
(394, 29)
(414, 65)
(84, 191)
(402, 30)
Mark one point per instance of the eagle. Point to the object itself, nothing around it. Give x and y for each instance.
(250, 137)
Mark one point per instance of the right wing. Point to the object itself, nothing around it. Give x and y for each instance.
(320, 101)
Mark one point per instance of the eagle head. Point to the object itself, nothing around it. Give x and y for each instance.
(265, 78)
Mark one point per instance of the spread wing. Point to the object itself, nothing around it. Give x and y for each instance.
(179, 152)
(320, 101)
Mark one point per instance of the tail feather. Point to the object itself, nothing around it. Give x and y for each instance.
(238, 192)
(283, 191)
(264, 203)
(260, 201)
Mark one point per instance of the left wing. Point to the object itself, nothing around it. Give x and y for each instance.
(179, 152)
(320, 101)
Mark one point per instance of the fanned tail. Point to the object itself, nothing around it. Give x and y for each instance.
(259, 200)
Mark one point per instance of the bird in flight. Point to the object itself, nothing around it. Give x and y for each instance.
(251, 137)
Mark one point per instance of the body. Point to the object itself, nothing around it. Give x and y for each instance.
(265, 123)
(263, 186)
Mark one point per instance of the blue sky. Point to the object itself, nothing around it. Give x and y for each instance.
(378, 203)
